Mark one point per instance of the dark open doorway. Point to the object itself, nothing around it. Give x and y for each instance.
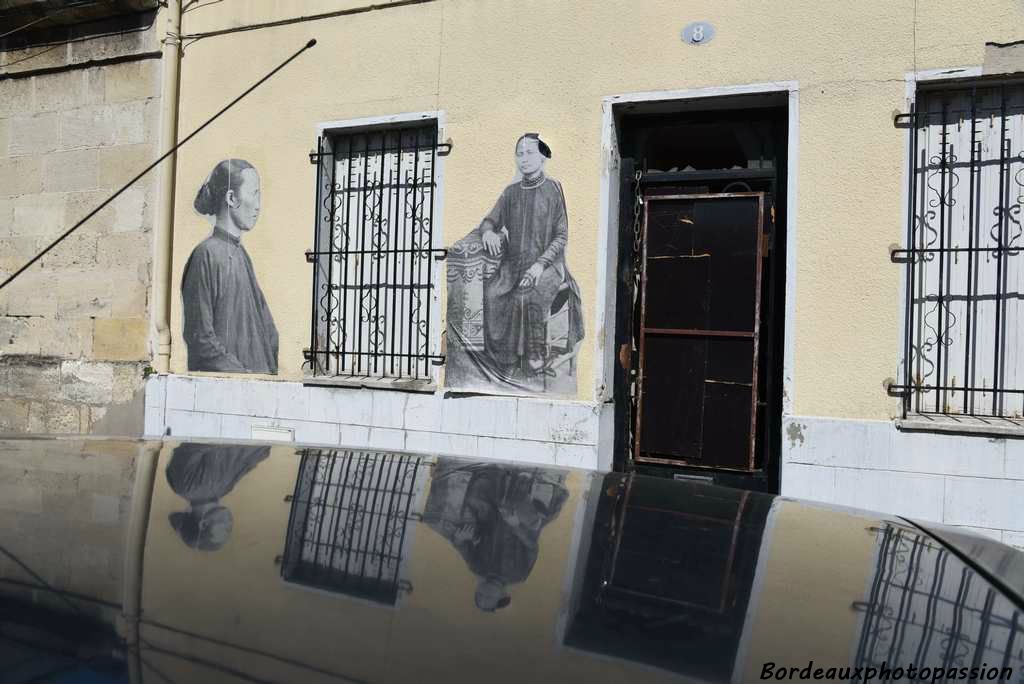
(700, 296)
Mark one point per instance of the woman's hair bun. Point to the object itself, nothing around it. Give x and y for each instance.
(204, 201)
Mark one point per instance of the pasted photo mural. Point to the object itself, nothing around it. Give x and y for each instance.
(493, 515)
(203, 474)
(228, 326)
(514, 313)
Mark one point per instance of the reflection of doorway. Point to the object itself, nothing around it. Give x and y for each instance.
(701, 288)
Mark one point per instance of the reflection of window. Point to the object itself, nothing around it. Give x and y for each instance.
(927, 608)
(375, 264)
(349, 522)
(964, 327)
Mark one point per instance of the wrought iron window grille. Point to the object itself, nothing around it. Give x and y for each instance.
(374, 279)
(348, 528)
(963, 348)
(921, 610)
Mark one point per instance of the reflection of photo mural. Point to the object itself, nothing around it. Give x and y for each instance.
(514, 313)
(228, 326)
(493, 515)
(203, 474)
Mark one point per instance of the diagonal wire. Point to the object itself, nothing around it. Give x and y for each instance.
(149, 168)
(39, 579)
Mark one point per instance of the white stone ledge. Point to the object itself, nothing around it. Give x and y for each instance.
(987, 427)
(532, 419)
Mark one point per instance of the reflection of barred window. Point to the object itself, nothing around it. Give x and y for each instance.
(964, 328)
(348, 530)
(374, 278)
(927, 608)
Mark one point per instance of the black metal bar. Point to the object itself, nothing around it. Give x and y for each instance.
(331, 228)
(378, 238)
(389, 517)
(380, 464)
(408, 503)
(1010, 639)
(394, 265)
(954, 631)
(931, 607)
(885, 570)
(1004, 201)
(415, 355)
(345, 266)
(412, 240)
(424, 232)
(362, 262)
(339, 494)
(909, 310)
(430, 244)
(919, 223)
(331, 510)
(904, 616)
(986, 621)
(971, 210)
(313, 346)
(391, 251)
(362, 459)
(943, 201)
(381, 186)
(975, 232)
(399, 147)
(953, 388)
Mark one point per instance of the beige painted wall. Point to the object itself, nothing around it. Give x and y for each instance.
(499, 68)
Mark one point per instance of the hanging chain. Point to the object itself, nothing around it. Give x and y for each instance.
(638, 203)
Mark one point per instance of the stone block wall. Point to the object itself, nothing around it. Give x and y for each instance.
(74, 329)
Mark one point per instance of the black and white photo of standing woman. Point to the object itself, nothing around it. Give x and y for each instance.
(228, 325)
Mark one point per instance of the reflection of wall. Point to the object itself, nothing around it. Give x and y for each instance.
(64, 513)
(781, 616)
(437, 629)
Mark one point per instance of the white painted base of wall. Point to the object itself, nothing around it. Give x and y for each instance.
(563, 433)
(972, 482)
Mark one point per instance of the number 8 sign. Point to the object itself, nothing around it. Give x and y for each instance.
(698, 33)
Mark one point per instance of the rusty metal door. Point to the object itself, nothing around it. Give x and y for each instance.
(700, 300)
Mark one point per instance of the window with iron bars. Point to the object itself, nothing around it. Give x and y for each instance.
(374, 258)
(349, 524)
(964, 343)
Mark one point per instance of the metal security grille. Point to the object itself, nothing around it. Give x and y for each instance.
(928, 609)
(349, 517)
(964, 343)
(374, 257)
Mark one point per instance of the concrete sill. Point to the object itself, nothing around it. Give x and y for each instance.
(396, 384)
(963, 425)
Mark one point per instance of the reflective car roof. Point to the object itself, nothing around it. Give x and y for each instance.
(127, 561)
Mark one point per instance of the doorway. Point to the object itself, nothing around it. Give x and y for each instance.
(700, 296)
